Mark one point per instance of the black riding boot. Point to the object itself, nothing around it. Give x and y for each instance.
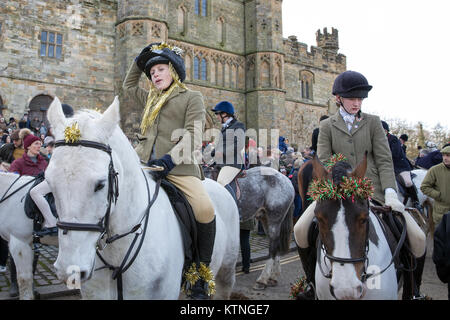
(412, 192)
(206, 233)
(308, 258)
(14, 288)
(418, 275)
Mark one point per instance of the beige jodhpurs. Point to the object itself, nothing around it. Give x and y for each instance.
(301, 228)
(406, 175)
(196, 195)
(37, 194)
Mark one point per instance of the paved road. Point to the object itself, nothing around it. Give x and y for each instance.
(47, 284)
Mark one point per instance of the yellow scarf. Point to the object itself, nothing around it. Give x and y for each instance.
(157, 98)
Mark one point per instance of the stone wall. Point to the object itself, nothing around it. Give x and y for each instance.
(83, 76)
(248, 61)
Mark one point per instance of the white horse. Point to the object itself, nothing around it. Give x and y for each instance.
(17, 229)
(79, 179)
(425, 201)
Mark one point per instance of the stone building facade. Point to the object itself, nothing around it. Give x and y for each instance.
(80, 51)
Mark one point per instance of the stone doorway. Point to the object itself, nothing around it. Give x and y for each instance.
(38, 108)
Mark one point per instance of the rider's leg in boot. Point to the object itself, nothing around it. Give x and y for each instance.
(308, 259)
(415, 198)
(420, 264)
(206, 233)
(14, 288)
(307, 252)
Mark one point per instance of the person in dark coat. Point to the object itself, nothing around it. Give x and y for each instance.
(441, 250)
(315, 135)
(25, 122)
(282, 144)
(293, 176)
(229, 152)
(33, 163)
(431, 159)
(402, 167)
(11, 151)
(245, 228)
(403, 138)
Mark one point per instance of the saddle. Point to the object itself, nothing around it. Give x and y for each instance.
(407, 266)
(185, 216)
(234, 188)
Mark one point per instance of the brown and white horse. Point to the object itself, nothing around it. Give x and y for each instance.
(353, 256)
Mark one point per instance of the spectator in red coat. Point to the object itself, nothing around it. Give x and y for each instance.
(32, 164)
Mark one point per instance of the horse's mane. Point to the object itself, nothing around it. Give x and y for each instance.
(117, 140)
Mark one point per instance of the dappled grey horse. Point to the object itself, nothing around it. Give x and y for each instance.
(267, 195)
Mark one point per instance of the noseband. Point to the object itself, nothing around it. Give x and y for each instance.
(342, 261)
(113, 190)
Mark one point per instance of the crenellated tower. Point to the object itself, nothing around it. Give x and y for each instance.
(328, 41)
(139, 23)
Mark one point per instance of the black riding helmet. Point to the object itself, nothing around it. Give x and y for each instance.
(351, 84)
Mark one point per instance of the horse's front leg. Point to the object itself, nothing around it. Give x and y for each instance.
(22, 254)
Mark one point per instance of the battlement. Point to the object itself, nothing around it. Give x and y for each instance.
(323, 58)
(328, 41)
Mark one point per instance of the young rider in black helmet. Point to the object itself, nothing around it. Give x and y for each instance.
(351, 133)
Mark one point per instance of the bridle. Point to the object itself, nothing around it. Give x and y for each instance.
(364, 259)
(113, 191)
(103, 225)
(342, 261)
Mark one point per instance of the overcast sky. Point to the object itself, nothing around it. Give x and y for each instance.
(401, 46)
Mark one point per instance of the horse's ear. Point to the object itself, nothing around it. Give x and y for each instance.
(360, 170)
(319, 171)
(56, 117)
(111, 116)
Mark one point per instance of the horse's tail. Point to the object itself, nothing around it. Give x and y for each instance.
(286, 230)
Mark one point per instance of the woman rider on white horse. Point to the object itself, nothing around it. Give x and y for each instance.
(171, 106)
(352, 133)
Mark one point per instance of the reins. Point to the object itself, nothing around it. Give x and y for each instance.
(118, 271)
(4, 197)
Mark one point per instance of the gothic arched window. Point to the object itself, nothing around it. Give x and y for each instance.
(203, 70)
(200, 7)
(196, 68)
(197, 7)
(306, 82)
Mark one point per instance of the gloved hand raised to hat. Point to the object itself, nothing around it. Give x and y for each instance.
(165, 162)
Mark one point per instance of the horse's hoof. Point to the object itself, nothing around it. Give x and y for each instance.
(259, 286)
(272, 283)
